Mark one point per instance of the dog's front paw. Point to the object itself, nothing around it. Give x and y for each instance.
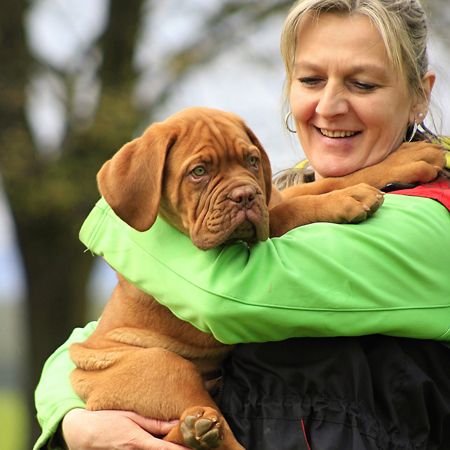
(413, 162)
(201, 428)
(355, 203)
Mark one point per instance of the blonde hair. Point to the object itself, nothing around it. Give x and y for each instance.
(402, 25)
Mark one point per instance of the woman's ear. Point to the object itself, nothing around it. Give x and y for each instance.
(423, 102)
(428, 83)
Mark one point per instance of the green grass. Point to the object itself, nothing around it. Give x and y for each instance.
(13, 420)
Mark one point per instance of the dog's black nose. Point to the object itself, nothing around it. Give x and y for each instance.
(243, 195)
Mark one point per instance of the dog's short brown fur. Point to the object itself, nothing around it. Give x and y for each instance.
(206, 173)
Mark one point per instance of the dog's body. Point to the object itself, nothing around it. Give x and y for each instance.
(206, 173)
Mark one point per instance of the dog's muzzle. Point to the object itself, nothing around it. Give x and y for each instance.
(250, 214)
(238, 214)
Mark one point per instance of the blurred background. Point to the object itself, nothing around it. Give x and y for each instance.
(78, 79)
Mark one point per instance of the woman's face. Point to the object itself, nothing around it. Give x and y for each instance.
(350, 107)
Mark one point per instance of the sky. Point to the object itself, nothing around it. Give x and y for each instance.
(60, 31)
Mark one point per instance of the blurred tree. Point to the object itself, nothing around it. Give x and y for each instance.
(50, 192)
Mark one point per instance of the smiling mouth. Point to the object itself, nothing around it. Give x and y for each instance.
(337, 133)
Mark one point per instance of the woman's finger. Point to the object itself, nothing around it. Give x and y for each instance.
(153, 426)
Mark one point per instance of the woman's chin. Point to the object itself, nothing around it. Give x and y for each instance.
(334, 171)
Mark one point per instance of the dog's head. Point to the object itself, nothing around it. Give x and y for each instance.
(202, 170)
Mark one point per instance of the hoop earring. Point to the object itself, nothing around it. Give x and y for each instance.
(286, 122)
(413, 133)
(420, 117)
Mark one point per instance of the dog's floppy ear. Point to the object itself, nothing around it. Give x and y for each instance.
(266, 167)
(131, 181)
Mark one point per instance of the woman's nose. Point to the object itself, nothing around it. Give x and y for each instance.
(332, 101)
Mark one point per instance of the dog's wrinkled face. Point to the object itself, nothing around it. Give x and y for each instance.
(220, 189)
(202, 170)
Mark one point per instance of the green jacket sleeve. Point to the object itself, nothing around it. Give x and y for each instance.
(54, 395)
(386, 275)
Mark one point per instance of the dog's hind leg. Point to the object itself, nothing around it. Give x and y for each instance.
(169, 382)
(173, 389)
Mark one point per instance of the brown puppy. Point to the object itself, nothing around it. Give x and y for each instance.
(206, 173)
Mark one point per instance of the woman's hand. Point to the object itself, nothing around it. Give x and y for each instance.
(106, 430)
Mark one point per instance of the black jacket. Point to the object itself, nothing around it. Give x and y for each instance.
(367, 393)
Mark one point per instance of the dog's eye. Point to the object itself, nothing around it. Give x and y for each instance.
(253, 160)
(198, 171)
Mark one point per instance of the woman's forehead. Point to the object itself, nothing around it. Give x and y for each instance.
(335, 29)
(337, 38)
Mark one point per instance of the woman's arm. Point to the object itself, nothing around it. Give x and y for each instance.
(386, 275)
(54, 396)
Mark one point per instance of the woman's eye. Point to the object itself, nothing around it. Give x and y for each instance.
(364, 86)
(253, 160)
(198, 171)
(310, 81)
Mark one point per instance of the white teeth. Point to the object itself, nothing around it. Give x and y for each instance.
(337, 133)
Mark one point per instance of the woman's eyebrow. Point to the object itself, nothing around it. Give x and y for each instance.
(368, 68)
(307, 65)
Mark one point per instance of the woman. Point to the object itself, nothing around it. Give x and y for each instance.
(357, 84)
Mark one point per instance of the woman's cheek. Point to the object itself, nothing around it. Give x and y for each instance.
(302, 104)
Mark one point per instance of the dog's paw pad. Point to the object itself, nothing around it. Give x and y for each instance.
(203, 430)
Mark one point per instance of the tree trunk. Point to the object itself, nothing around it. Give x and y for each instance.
(50, 197)
(56, 273)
